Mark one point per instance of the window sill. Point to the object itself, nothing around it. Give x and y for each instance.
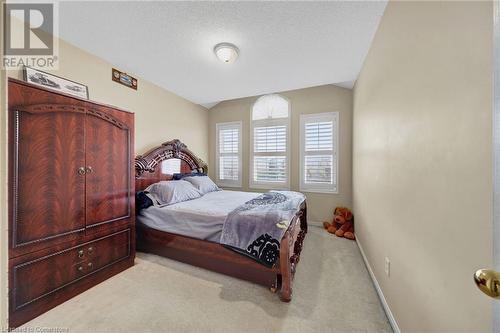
(232, 185)
(321, 191)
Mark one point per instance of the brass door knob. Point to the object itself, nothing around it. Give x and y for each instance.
(89, 169)
(81, 170)
(488, 281)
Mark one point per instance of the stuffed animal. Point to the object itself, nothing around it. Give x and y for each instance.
(342, 224)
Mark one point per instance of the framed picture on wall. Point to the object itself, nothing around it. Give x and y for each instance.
(55, 82)
(123, 78)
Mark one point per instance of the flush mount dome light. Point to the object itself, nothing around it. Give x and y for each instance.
(226, 52)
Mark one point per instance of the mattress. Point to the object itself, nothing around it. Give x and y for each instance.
(201, 218)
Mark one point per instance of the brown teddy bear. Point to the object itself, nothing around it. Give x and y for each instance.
(343, 223)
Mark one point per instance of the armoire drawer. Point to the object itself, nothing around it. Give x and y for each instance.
(42, 277)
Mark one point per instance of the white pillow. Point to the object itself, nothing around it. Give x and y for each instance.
(172, 191)
(202, 183)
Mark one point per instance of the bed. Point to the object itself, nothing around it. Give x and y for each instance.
(189, 231)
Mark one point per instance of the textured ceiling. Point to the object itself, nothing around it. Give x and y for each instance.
(283, 45)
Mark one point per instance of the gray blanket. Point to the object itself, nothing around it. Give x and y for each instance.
(257, 227)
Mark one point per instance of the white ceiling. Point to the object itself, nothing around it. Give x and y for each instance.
(283, 45)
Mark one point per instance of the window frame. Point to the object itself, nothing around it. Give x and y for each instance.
(228, 125)
(263, 123)
(312, 118)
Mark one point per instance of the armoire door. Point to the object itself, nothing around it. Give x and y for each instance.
(48, 181)
(108, 170)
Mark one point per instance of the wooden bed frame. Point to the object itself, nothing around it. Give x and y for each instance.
(210, 255)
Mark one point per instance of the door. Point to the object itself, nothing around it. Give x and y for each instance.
(49, 178)
(488, 279)
(107, 169)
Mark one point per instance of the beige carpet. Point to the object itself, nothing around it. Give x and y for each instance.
(333, 293)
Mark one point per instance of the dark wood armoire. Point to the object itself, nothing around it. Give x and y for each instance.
(71, 202)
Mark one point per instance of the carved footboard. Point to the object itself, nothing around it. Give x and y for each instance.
(290, 248)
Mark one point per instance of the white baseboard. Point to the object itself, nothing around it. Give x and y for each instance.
(315, 223)
(381, 296)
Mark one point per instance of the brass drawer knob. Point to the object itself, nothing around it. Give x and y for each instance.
(80, 254)
(90, 265)
(80, 268)
(89, 169)
(81, 170)
(91, 249)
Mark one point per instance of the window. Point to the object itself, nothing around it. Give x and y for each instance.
(269, 142)
(228, 150)
(171, 166)
(319, 152)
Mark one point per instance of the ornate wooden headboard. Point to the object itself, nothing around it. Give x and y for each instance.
(148, 167)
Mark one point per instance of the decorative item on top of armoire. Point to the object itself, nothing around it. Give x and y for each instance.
(123, 78)
(342, 224)
(71, 197)
(54, 82)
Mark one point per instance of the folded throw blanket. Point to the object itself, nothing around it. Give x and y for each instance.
(256, 228)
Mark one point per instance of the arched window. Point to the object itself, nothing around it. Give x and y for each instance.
(269, 140)
(270, 107)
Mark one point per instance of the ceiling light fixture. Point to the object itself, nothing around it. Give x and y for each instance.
(226, 52)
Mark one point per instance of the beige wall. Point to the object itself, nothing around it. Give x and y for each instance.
(159, 114)
(422, 167)
(326, 98)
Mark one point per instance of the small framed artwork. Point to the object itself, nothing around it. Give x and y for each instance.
(124, 79)
(55, 82)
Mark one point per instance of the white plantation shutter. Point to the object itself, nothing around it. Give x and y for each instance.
(269, 135)
(270, 154)
(228, 147)
(229, 168)
(319, 136)
(270, 139)
(270, 169)
(318, 169)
